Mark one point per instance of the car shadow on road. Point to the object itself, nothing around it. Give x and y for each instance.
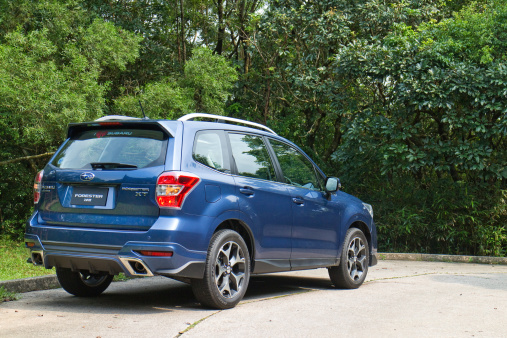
(159, 294)
(267, 286)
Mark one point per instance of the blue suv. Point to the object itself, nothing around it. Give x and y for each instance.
(208, 203)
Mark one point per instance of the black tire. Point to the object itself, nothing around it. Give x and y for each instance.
(83, 284)
(351, 272)
(226, 274)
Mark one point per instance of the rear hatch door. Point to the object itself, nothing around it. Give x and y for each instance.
(105, 177)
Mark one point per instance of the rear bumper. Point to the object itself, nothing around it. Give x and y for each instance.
(128, 260)
(112, 251)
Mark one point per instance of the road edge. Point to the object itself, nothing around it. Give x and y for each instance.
(30, 284)
(443, 258)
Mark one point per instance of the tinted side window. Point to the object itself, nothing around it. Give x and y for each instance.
(209, 150)
(251, 157)
(297, 169)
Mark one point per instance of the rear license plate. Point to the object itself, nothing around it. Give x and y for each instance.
(89, 196)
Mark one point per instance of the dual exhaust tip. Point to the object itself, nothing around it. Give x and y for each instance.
(136, 267)
(36, 259)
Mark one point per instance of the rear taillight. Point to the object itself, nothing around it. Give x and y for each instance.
(173, 187)
(37, 187)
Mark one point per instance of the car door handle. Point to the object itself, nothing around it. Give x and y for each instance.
(298, 201)
(246, 191)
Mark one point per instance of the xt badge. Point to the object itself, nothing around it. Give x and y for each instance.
(138, 192)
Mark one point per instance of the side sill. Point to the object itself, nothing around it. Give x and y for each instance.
(313, 263)
(271, 265)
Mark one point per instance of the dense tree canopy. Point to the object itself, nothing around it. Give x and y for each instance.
(406, 100)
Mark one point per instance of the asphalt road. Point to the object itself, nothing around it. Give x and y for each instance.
(400, 299)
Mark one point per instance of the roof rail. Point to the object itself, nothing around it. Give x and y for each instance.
(116, 117)
(192, 116)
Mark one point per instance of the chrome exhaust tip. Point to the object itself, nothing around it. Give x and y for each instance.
(136, 267)
(37, 258)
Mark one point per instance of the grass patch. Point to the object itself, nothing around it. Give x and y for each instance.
(13, 264)
(6, 296)
(121, 278)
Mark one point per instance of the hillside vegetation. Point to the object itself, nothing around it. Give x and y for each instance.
(405, 101)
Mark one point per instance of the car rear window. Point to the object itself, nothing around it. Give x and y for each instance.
(118, 148)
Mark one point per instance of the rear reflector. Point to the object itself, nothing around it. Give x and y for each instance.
(173, 187)
(37, 187)
(156, 253)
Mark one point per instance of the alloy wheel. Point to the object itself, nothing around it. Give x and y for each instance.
(356, 258)
(230, 269)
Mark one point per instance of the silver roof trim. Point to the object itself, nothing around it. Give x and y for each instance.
(192, 116)
(116, 117)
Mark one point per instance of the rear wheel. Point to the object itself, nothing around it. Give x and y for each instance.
(351, 272)
(83, 284)
(226, 273)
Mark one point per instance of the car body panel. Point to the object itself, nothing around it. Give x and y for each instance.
(314, 231)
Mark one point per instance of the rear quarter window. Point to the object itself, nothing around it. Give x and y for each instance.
(210, 150)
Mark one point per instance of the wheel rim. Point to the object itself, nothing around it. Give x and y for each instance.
(92, 279)
(230, 270)
(356, 263)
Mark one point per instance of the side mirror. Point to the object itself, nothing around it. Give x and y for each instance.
(332, 184)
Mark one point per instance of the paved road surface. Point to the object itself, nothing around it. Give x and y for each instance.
(399, 299)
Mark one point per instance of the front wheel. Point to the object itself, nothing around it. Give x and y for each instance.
(351, 272)
(83, 284)
(226, 273)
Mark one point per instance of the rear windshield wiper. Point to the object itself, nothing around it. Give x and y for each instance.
(112, 165)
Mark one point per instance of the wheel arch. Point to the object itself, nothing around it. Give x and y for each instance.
(370, 238)
(366, 231)
(244, 231)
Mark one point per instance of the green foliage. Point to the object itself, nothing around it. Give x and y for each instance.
(49, 76)
(205, 87)
(211, 77)
(404, 99)
(109, 46)
(33, 86)
(160, 100)
(7, 296)
(428, 140)
(437, 105)
(51, 69)
(441, 217)
(14, 265)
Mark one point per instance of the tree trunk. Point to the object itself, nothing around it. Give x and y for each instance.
(182, 31)
(221, 27)
(267, 97)
(178, 42)
(29, 158)
(312, 131)
(337, 138)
